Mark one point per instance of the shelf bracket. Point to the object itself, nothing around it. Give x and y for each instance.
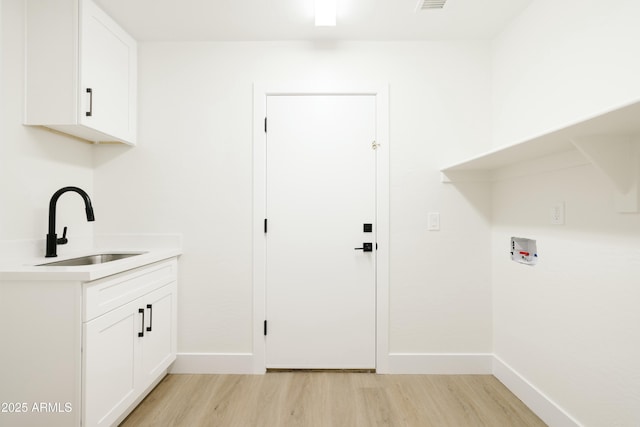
(617, 158)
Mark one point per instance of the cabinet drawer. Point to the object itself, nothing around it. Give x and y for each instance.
(101, 296)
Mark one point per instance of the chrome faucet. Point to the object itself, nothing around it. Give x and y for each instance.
(52, 237)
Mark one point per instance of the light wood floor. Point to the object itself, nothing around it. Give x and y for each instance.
(331, 399)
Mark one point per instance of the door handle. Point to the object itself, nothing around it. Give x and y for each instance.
(366, 247)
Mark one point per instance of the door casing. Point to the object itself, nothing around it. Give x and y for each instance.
(260, 93)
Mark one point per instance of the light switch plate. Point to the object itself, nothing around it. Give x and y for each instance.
(433, 223)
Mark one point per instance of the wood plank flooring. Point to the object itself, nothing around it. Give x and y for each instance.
(324, 399)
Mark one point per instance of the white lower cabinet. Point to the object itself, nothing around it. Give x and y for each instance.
(111, 353)
(89, 352)
(158, 349)
(125, 350)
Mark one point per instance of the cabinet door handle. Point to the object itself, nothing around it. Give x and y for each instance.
(150, 307)
(90, 112)
(141, 333)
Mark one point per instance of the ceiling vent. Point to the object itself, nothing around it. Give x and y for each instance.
(430, 4)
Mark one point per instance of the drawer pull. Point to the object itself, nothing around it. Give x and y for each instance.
(150, 307)
(90, 112)
(141, 333)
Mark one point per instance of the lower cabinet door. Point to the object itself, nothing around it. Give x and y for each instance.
(158, 348)
(110, 359)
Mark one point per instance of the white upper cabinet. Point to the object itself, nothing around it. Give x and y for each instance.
(81, 71)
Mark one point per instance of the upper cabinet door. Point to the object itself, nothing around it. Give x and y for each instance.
(81, 71)
(107, 74)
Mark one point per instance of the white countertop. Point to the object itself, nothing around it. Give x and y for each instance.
(29, 269)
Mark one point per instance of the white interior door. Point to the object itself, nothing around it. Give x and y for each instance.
(321, 190)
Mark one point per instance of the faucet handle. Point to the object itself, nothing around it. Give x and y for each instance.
(63, 240)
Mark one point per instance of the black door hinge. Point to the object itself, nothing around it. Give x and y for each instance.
(265, 328)
(265, 125)
(265, 226)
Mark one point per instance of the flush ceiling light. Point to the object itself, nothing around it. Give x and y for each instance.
(326, 13)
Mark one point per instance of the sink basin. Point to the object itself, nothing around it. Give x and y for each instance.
(91, 259)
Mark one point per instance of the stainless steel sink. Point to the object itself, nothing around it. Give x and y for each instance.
(91, 259)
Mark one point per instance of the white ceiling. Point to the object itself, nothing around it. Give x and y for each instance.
(181, 20)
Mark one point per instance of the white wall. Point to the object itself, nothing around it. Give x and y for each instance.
(570, 325)
(34, 163)
(563, 61)
(192, 171)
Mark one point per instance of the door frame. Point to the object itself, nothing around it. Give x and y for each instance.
(260, 93)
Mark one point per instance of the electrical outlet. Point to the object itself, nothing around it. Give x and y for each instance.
(557, 213)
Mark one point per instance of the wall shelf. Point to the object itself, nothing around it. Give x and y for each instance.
(609, 141)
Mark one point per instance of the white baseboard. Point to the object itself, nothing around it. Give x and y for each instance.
(541, 405)
(399, 363)
(441, 363)
(213, 363)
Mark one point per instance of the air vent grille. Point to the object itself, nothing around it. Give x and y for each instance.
(430, 4)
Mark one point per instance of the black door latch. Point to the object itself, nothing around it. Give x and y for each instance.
(366, 247)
